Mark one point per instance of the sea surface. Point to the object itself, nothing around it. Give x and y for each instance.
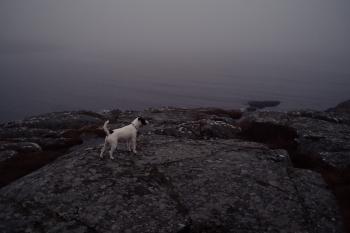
(38, 82)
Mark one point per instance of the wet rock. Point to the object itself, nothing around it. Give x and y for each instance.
(172, 185)
(263, 104)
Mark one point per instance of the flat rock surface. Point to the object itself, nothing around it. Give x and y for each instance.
(172, 185)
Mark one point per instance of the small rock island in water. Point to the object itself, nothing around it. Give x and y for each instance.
(197, 171)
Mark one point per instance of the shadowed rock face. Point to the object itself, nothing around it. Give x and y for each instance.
(319, 133)
(197, 171)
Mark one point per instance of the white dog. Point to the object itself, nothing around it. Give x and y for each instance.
(127, 133)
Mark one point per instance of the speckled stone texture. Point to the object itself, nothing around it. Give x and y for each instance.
(173, 185)
(196, 171)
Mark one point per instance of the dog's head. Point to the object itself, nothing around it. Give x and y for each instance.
(139, 122)
(142, 121)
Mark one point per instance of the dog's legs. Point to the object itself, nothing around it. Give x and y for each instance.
(134, 145)
(103, 148)
(128, 145)
(113, 148)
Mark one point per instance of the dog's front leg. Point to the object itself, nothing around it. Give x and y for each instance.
(134, 145)
(128, 145)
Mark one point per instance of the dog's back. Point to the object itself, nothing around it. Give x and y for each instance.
(124, 133)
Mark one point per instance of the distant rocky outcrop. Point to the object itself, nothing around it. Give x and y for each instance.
(197, 171)
(254, 105)
(343, 107)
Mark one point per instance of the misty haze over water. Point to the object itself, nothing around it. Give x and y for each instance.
(134, 54)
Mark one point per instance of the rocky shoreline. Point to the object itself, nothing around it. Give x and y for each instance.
(198, 170)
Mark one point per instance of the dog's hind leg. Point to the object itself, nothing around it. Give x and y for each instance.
(103, 148)
(113, 148)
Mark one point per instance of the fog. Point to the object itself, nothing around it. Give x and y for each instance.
(73, 54)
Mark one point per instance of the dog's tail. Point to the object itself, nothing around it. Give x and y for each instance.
(105, 128)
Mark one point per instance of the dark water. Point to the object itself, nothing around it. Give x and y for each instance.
(39, 82)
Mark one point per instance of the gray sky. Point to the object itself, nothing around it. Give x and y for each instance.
(73, 54)
(308, 32)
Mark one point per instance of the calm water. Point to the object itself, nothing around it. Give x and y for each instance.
(39, 82)
(135, 54)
